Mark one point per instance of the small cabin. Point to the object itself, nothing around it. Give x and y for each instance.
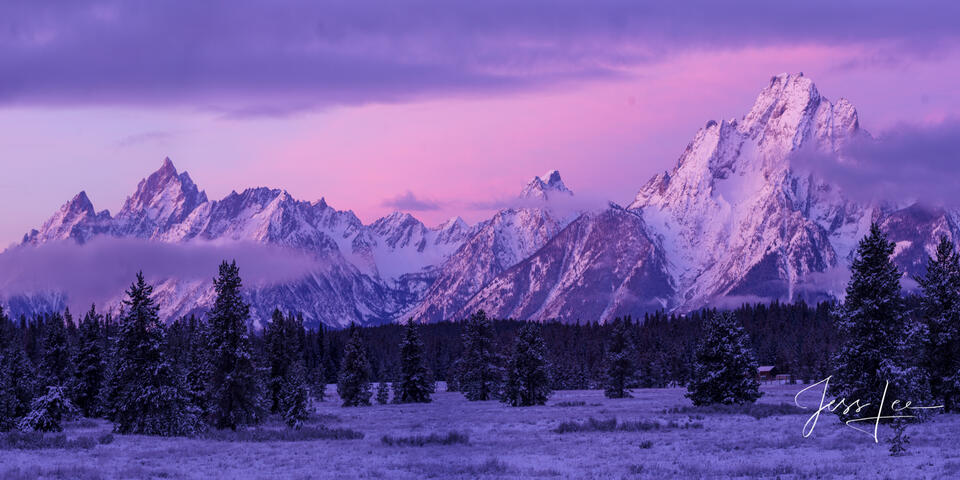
(766, 373)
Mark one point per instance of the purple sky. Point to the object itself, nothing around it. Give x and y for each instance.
(438, 108)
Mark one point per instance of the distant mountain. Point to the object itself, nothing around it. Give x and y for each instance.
(733, 221)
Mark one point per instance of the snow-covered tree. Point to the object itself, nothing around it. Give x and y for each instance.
(383, 393)
(48, 411)
(56, 365)
(234, 390)
(479, 374)
(197, 369)
(940, 307)
(145, 395)
(294, 399)
(90, 364)
(528, 379)
(17, 375)
(415, 384)
(724, 369)
(875, 330)
(619, 366)
(353, 384)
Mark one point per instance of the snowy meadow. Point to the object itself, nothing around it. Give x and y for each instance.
(657, 434)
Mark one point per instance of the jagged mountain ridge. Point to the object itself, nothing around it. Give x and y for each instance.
(732, 221)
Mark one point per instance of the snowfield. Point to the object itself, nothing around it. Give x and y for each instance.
(506, 442)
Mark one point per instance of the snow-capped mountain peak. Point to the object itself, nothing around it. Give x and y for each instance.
(76, 220)
(544, 186)
(162, 199)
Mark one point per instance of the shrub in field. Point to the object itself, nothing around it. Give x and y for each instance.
(260, 434)
(383, 393)
(612, 425)
(41, 441)
(577, 403)
(900, 439)
(755, 410)
(450, 438)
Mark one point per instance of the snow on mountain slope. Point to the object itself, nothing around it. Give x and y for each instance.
(733, 216)
(600, 266)
(76, 220)
(510, 236)
(162, 200)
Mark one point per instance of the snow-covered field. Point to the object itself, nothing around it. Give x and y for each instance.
(507, 442)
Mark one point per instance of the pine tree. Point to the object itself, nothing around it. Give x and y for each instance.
(56, 366)
(8, 399)
(145, 395)
(48, 411)
(620, 371)
(479, 375)
(234, 389)
(725, 369)
(279, 356)
(415, 384)
(353, 385)
(315, 358)
(875, 331)
(90, 364)
(528, 380)
(197, 370)
(940, 307)
(383, 393)
(16, 375)
(293, 397)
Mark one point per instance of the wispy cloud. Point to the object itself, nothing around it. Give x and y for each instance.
(410, 202)
(146, 137)
(104, 267)
(906, 162)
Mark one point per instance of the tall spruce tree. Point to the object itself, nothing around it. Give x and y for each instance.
(294, 398)
(528, 379)
(415, 384)
(234, 390)
(479, 374)
(620, 370)
(197, 369)
(56, 364)
(940, 307)
(724, 368)
(875, 331)
(353, 384)
(90, 364)
(16, 375)
(19, 376)
(8, 400)
(145, 395)
(279, 357)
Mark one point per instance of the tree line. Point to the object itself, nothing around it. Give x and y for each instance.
(218, 372)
